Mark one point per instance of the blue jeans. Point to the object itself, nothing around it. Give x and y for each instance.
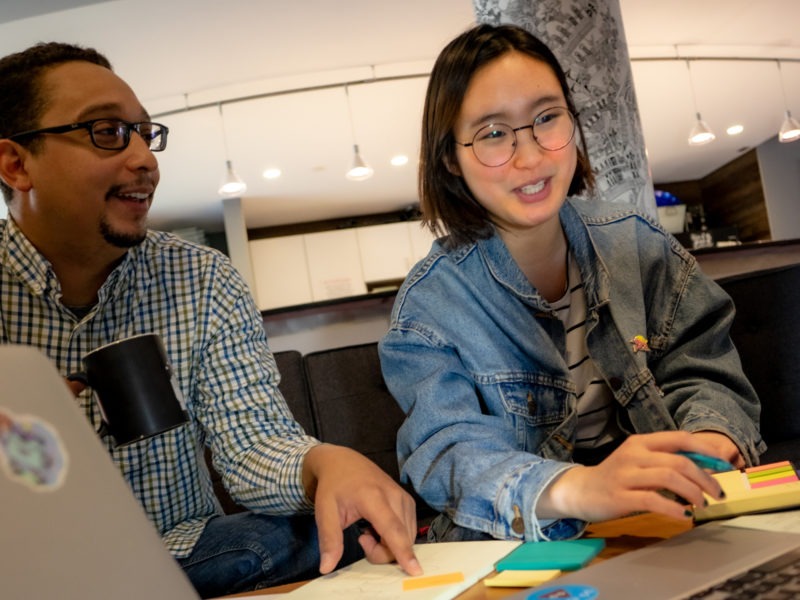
(246, 551)
(444, 530)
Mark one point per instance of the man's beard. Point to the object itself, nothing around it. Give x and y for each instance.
(121, 240)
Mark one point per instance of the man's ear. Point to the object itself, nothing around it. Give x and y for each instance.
(12, 165)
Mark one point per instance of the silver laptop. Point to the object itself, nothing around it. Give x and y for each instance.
(69, 526)
(679, 567)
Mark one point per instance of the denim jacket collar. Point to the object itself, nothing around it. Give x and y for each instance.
(507, 273)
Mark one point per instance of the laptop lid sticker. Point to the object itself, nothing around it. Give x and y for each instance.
(565, 592)
(31, 452)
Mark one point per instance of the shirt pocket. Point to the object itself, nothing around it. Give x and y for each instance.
(536, 409)
(156, 454)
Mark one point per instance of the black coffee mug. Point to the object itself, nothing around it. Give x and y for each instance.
(135, 388)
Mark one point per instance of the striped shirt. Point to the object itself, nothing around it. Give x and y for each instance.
(213, 333)
(597, 423)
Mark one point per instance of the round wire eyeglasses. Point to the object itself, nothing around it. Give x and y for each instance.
(495, 144)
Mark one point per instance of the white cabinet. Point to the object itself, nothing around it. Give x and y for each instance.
(334, 264)
(421, 240)
(385, 251)
(298, 269)
(389, 251)
(280, 271)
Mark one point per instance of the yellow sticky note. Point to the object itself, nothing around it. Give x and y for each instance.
(418, 583)
(524, 578)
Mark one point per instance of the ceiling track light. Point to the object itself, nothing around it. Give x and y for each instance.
(790, 128)
(232, 184)
(359, 170)
(701, 133)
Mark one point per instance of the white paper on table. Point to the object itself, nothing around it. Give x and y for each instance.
(264, 596)
(385, 582)
(786, 520)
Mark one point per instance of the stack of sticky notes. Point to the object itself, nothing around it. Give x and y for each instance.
(765, 488)
(532, 563)
(773, 474)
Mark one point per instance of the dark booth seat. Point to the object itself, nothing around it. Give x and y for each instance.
(766, 331)
(339, 395)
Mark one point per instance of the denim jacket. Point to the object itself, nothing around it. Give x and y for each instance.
(475, 357)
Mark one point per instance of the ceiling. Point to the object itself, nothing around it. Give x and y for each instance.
(198, 53)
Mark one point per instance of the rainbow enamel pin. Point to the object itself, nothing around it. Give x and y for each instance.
(639, 343)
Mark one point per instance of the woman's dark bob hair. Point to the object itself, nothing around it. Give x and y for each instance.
(447, 204)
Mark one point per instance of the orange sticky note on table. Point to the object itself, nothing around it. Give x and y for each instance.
(418, 583)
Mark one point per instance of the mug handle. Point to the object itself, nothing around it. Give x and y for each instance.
(81, 377)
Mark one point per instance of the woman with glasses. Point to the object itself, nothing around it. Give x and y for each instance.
(554, 355)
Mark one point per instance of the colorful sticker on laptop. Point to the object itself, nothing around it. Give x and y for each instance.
(565, 592)
(31, 452)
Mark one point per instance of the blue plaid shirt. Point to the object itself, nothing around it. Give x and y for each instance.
(214, 337)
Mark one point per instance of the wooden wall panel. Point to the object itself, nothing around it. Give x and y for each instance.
(732, 196)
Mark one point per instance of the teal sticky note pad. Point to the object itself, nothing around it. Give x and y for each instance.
(564, 555)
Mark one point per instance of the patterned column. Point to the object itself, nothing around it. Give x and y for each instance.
(588, 38)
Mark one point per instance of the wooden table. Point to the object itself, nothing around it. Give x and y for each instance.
(622, 535)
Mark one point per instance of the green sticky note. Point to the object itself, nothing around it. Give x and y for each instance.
(564, 555)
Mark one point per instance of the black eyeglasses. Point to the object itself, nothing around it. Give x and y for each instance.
(110, 134)
(495, 144)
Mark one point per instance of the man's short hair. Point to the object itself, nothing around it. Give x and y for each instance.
(22, 101)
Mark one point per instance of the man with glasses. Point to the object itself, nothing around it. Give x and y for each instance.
(80, 269)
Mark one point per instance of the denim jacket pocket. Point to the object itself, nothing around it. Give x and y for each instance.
(536, 409)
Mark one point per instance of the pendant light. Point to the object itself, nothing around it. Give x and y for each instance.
(360, 170)
(701, 133)
(790, 129)
(232, 184)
